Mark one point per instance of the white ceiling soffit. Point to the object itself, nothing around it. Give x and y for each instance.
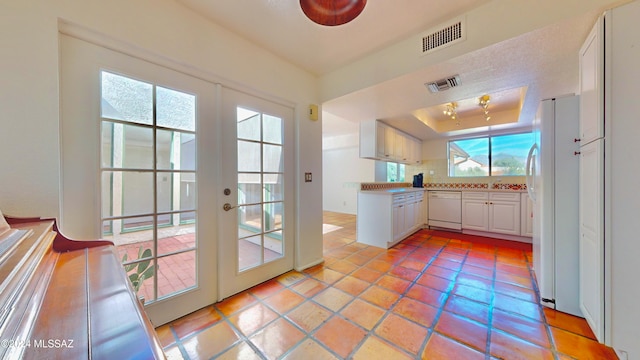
(543, 61)
(282, 27)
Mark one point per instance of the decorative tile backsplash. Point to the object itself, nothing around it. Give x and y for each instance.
(383, 186)
(479, 186)
(460, 186)
(516, 187)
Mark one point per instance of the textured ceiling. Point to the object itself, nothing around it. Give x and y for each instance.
(543, 61)
(282, 27)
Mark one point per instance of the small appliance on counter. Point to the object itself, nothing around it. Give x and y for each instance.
(417, 180)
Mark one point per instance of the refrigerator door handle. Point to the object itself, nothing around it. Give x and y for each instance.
(529, 172)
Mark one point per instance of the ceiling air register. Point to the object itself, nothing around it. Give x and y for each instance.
(444, 36)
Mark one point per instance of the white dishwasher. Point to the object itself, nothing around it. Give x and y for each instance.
(445, 209)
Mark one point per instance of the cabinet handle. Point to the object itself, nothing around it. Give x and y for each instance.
(576, 153)
(576, 140)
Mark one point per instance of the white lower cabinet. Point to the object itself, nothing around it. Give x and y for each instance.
(398, 217)
(494, 212)
(526, 215)
(475, 211)
(504, 217)
(385, 218)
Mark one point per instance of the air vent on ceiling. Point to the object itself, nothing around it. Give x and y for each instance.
(443, 84)
(445, 36)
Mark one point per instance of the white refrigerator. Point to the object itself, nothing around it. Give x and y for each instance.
(552, 182)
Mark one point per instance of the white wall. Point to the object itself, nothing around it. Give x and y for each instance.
(159, 29)
(343, 171)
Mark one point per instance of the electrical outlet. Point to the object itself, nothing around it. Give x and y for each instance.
(307, 177)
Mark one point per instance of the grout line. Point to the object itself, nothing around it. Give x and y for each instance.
(401, 254)
(491, 304)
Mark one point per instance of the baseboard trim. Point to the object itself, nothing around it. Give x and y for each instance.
(311, 264)
(522, 239)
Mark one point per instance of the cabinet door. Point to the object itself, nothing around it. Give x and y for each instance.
(380, 140)
(398, 146)
(526, 215)
(592, 235)
(398, 222)
(592, 85)
(417, 151)
(407, 150)
(504, 217)
(419, 212)
(410, 216)
(475, 215)
(389, 142)
(412, 150)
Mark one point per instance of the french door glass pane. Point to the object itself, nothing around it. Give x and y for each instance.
(273, 246)
(176, 238)
(126, 193)
(273, 187)
(118, 140)
(176, 150)
(188, 218)
(249, 128)
(176, 273)
(249, 220)
(176, 191)
(126, 99)
(175, 109)
(249, 156)
(249, 252)
(128, 242)
(249, 188)
(141, 274)
(272, 129)
(273, 160)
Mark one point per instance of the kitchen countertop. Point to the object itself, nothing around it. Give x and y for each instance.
(410, 190)
(479, 190)
(393, 191)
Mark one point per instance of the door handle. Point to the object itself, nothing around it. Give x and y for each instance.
(227, 207)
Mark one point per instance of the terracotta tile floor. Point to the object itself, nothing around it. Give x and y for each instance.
(436, 295)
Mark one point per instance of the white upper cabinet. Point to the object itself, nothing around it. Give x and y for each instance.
(380, 141)
(592, 86)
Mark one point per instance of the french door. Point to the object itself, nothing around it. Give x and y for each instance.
(256, 221)
(139, 158)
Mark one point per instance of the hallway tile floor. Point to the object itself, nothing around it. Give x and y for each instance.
(436, 295)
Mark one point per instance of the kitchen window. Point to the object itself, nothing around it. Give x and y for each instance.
(499, 155)
(395, 172)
